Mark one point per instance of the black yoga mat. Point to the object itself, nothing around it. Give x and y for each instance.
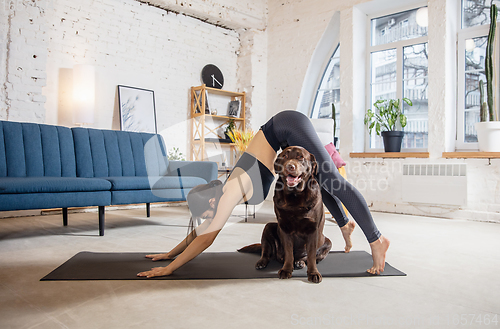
(209, 265)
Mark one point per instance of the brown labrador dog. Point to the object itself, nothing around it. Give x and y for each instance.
(298, 237)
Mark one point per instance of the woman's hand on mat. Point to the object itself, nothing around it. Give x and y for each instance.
(155, 257)
(156, 271)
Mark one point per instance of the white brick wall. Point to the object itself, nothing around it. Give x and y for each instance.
(129, 42)
(4, 27)
(252, 75)
(234, 14)
(23, 60)
(294, 29)
(136, 45)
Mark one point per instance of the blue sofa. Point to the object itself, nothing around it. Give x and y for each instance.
(44, 166)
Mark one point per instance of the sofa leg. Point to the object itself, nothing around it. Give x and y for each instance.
(101, 220)
(148, 209)
(65, 216)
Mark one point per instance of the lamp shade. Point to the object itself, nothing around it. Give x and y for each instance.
(422, 17)
(470, 45)
(83, 93)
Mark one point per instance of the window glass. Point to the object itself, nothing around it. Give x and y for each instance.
(472, 40)
(415, 82)
(383, 77)
(396, 27)
(328, 92)
(383, 82)
(475, 53)
(476, 12)
(475, 50)
(399, 68)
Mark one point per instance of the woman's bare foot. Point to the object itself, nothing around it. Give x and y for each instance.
(346, 233)
(379, 249)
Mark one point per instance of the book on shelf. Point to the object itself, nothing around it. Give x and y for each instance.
(216, 140)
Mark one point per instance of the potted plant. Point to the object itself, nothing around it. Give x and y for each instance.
(386, 120)
(241, 138)
(488, 129)
(229, 128)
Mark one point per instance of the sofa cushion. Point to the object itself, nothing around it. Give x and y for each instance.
(110, 153)
(9, 185)
(204, 169)
(148, 196)
(159, 182)
(35, 150)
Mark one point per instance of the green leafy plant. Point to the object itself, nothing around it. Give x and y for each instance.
(387, 115)
(176, 155)
(230, 126)
(488, 63)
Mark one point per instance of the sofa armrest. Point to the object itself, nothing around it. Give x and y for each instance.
(204, 169)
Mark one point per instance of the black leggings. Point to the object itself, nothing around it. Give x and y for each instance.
(295, 129)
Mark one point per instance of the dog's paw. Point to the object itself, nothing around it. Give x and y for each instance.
(284, 274)
(314, 277)
(299, 264)
(261, 264)
(319, 258)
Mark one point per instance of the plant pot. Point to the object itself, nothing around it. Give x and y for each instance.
(488, 136)
(393, 140)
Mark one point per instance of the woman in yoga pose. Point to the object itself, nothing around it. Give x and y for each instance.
(250, 182)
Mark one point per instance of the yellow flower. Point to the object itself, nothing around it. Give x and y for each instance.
(241, 138)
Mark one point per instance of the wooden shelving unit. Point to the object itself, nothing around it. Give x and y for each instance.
(199, 128)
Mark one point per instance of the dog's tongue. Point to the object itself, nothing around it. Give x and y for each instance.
(292, 180)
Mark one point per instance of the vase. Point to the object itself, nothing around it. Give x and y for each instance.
(392, 140)
(488, 136)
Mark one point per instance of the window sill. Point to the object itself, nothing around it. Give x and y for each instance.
(393, 155)
(471, 155)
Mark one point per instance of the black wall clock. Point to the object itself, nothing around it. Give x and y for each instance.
(212, 76)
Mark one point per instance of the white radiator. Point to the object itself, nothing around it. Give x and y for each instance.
(444, 184)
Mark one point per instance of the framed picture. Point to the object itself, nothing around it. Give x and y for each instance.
(137, 109)
(233, 108)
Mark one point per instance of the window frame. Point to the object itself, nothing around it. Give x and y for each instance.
(314, 114)
(463, 35)
(399, 46)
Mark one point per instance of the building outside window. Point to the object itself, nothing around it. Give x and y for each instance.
(398, 62)
(328, 92)
(472, 39)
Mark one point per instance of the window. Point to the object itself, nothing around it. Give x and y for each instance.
(398, 64)
(472, 39)
(328, 92)
(475, 13)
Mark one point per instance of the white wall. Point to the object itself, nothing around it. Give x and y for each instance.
(135, 44)
(234, 14)
(23, 59)
(252, 74)
(129, 43)
(294, 30)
